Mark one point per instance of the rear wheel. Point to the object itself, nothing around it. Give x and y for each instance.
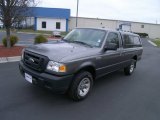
(130, 69)
(81, 86)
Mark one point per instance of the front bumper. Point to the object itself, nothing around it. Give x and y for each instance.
(58, 84)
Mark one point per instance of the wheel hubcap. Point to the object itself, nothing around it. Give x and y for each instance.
(131, 67)
(84, 87)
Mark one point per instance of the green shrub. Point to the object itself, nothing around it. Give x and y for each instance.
(157, 42)
(40, 39)
(13, 40)
(142, 34)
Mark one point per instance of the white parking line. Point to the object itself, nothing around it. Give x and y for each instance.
(152, 43)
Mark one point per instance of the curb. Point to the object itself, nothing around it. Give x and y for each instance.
(152, 43)
(10, 59)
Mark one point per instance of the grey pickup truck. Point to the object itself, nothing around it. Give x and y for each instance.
(72, 64)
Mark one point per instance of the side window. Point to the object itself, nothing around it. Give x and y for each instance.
(43, 24)
(128, 41)
(137, 41)
(113, 38)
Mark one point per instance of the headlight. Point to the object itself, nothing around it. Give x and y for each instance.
(56, 67)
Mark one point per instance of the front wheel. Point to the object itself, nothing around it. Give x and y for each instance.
(81, 86)
(130, 69)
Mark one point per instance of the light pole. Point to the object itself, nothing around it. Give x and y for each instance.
(77, 13)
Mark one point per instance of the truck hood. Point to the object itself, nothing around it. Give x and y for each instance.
(58, 50)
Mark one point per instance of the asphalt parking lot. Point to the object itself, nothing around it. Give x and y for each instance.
(114, 97)
(24, 39)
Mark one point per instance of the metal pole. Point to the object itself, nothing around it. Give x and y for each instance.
(77, 13)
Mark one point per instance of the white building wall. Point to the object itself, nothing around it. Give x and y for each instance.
(51, 24)
(152, 29)
(90, 22)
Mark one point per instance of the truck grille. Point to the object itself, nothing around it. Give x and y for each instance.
(35, 61)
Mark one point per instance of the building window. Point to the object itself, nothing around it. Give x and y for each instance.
(142, 26)
(43, 24)
(58, 25)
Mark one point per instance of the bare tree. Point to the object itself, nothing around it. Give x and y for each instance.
(12, 11)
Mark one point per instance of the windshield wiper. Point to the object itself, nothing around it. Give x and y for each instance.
(83, 43)
(80, 42)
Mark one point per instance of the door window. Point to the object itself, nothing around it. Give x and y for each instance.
(113, 38)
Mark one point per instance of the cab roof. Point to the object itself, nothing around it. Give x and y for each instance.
(110, 30)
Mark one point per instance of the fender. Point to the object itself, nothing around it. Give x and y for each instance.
(84, 65)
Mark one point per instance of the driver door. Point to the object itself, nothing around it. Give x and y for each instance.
(111, 59)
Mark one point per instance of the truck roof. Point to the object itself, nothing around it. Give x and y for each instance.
(110, 30)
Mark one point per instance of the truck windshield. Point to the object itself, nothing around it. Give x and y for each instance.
(91, 37)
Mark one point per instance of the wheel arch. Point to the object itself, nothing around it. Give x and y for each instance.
(90, 67)
(135, 57)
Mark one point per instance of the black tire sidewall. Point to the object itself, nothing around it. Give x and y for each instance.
(127, 69)
(73, 92)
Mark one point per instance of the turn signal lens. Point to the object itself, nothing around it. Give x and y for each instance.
(62, 68)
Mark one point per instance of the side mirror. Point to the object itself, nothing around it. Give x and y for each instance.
(110, 46)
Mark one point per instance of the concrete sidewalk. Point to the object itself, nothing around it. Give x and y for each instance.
(10, 59)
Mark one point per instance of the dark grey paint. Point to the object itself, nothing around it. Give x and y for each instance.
(76, 56)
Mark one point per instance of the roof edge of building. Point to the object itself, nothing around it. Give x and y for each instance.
(114, 20)
(51, 8)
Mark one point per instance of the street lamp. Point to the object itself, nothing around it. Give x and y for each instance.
(77, 13)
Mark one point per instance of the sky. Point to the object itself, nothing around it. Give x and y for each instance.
(129, 10)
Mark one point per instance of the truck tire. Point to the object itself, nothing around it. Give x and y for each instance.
(81, 86)
(130, 69)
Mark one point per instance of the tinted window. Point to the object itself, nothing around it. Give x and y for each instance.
(127, 41)
(137, 41)
(58, 25)
(131, 41)
(113, 38)
(43, 24)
